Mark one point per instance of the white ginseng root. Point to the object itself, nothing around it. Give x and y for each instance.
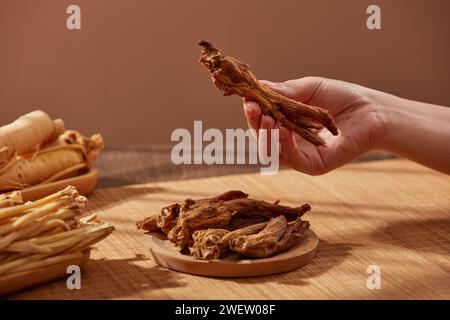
(27, 134)
(65, 157)
(32, 171)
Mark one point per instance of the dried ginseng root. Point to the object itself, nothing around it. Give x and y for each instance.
(231, 210)
(207, 243)
(276, 237)
(149, 224)
(212, 243)
(65, 157)
(232, 76)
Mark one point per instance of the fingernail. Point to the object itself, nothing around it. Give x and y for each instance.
(250, 108)
(269, 123)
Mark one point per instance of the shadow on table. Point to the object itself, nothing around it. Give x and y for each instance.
(110, 279)
(328, 256)
(393, 170)
(98, 198)
(359, 210)
(428, 235)
(124, 279)
(127, 280)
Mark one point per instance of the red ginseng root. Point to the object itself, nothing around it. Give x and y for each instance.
(232, 76)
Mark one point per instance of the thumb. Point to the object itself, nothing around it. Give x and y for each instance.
(302, 89)
(279, 87)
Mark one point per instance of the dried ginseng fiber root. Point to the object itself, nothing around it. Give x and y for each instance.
(62, 158)
(47, 231)
(232, 76)
(278, 236)
(10, 199)
(26, 134)
(14, 211)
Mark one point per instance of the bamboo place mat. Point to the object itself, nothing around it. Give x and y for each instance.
(391, 213)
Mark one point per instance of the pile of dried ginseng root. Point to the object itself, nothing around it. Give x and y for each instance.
(45, 232)
(212, 228)
(34, 149)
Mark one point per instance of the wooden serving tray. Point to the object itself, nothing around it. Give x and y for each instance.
(166, 255)
(30, 278)
(84, 183)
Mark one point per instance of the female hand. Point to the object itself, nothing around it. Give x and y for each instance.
(359, 120)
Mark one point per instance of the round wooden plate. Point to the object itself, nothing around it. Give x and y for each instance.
(84, 183)
(165, 254)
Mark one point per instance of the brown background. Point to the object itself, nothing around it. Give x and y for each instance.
(132, 72)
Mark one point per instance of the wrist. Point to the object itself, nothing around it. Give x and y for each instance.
(380, 118)
(397, 117)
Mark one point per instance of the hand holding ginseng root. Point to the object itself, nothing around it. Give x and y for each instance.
(358, 121)
(45, 232)
(367, 120)
(35, 149)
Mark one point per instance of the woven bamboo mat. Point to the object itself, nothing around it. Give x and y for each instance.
(394, 214)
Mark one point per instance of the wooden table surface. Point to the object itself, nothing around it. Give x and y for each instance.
(392, 213)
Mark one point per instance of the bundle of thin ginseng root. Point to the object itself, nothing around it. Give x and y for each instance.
(45, 232)
(35, 149)
(231, 222)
